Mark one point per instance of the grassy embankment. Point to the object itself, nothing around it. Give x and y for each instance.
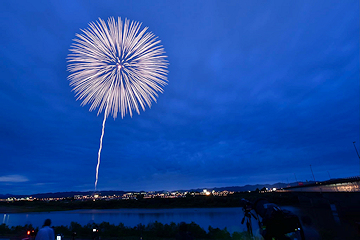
(108, 231)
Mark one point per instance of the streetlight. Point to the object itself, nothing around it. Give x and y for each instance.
(312, 173)
(356, 150)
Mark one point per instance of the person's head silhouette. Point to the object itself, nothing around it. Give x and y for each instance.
(47, 222)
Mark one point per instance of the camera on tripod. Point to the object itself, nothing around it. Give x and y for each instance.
(274, 222)
(247, 208)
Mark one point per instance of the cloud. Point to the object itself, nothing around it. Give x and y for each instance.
(13, 178)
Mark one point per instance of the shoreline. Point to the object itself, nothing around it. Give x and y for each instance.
(7, 210)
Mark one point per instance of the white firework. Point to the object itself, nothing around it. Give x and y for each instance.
(118, 67)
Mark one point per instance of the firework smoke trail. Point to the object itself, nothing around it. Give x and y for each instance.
(116, 66)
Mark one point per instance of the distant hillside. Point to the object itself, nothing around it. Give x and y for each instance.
(62, 194)
(247, 187)
(232, 188)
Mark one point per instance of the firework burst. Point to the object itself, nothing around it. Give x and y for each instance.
(116, 67)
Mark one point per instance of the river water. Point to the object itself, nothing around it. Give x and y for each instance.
(323, 220)
(204, 217)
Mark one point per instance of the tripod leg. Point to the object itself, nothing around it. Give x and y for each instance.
(249, 227)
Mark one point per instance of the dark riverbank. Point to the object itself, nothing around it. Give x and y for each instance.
(318, 214)
(105, 230)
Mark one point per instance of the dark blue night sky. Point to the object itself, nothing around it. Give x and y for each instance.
(257, 91)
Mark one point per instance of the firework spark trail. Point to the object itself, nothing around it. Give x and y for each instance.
(116, 66)
(101, 138)
(100, 147)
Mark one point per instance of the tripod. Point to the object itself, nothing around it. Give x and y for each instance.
(247, 215)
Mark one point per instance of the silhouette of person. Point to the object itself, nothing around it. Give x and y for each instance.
(46, 232)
